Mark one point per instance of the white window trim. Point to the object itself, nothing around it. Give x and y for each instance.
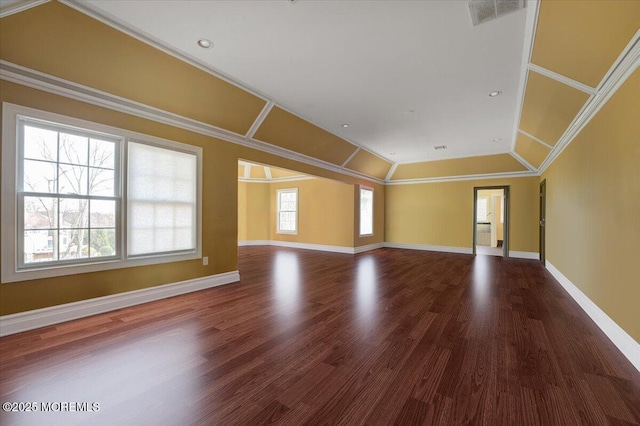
(278, 192)
(368, 188)
(9, 220)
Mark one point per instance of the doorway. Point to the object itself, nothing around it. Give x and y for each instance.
(543, 218)
(491, 220)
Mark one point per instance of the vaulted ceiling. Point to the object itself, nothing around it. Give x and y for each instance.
(405, 76)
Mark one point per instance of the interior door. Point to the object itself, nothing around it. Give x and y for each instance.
(543, 218)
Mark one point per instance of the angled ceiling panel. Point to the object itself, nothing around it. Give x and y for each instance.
(369, 164)
(257, 172)
(531, 150)
(283, 129)
(500, 163)
(582, 39)
(60, 41)
(240, 170)
(282, 173)
(549, 107)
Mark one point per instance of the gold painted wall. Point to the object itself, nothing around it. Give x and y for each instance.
(593, 209)
(242, 211)
(325, 212)
(256, 211)
(442, 213)
(219, 223)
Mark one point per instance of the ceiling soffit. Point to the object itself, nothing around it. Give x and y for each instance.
(286, 130)
(531, 150)
(581, 40)
(488, 164)
(369, 164)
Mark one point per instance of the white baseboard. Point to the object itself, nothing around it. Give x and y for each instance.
(627, 344)
(305, 246)
(23, 321)
(254, 243)
(368, 247)
(446, 249)
(524, 254)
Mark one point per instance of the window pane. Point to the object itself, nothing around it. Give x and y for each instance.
(40, 213)
(74, 213)
(40, 246)
(40, 144)
(103, 242)
(366, 211)
(162, 189)
(103, 214)
(102, 154)
(287, 221)
(481, 211)
(101, 182)
(39, 176)
(73, 149)
(74, 244)
(73, 179)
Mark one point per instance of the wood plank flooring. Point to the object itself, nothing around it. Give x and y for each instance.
(381, 338)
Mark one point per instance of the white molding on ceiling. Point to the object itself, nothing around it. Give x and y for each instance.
(350, 157)
(392, 170)
(48, 83)
(533, 9)
(152, 41)
(627, 51)
(507, 175)
(562, 79)
(267, 172)
(524, 162)
(616, 76)
(20, 7)
(382, 157)
(247, 171)
(260, 119)
(276, 180)
(540, 141)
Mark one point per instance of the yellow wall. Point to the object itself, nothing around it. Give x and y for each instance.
(593, 209)
(257, 211)
(242, 211)
(441, 214)
(325, 212)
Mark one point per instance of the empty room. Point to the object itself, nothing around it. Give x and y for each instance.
(320, 212)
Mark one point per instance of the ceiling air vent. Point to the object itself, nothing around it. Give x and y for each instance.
(486, 10)
(438, 147)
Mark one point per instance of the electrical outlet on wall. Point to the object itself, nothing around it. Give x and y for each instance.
(205, 260)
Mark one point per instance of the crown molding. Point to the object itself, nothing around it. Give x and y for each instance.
(260, 119)
(625, 65)
(48, 83)
(20, 7)
(508, 175)
(562, 79)
(540, 141)
(276, 180)
(533, 10)
(350, 157)
(524, 162)
(392, 170)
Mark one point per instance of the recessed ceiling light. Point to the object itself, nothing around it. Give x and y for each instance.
(497, 139)
(204, 43)
(345, 125)
(495, 93)
(392, 153)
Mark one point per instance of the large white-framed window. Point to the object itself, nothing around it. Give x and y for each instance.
(82, 197)
(287, 211)
(366, 211)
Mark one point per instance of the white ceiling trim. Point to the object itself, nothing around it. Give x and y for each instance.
(276, 180)
(562, 79)
(247, 171)
(260, 119)
(349, 158)
(267, 172)
(459, 178)
(540, 141)
(48, 83)
(533, 9)
(155, 43)
(625, 65)
(524, 162)
(20, 7)
(392, 170)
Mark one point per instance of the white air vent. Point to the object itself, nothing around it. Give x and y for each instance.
(438, 147)
(486, 10)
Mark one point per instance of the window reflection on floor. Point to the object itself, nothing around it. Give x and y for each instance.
(286, 283)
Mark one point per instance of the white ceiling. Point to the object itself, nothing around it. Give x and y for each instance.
(366, 63)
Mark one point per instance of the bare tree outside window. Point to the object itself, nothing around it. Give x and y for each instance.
(69, 195)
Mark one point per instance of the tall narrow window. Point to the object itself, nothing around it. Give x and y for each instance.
(366, 211)
(161, 200)
(67, 194)
(287, 211)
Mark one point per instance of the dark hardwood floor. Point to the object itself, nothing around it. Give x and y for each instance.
(385, 337)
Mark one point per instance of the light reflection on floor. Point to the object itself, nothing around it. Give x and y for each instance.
(286, 283)
(366, 294)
